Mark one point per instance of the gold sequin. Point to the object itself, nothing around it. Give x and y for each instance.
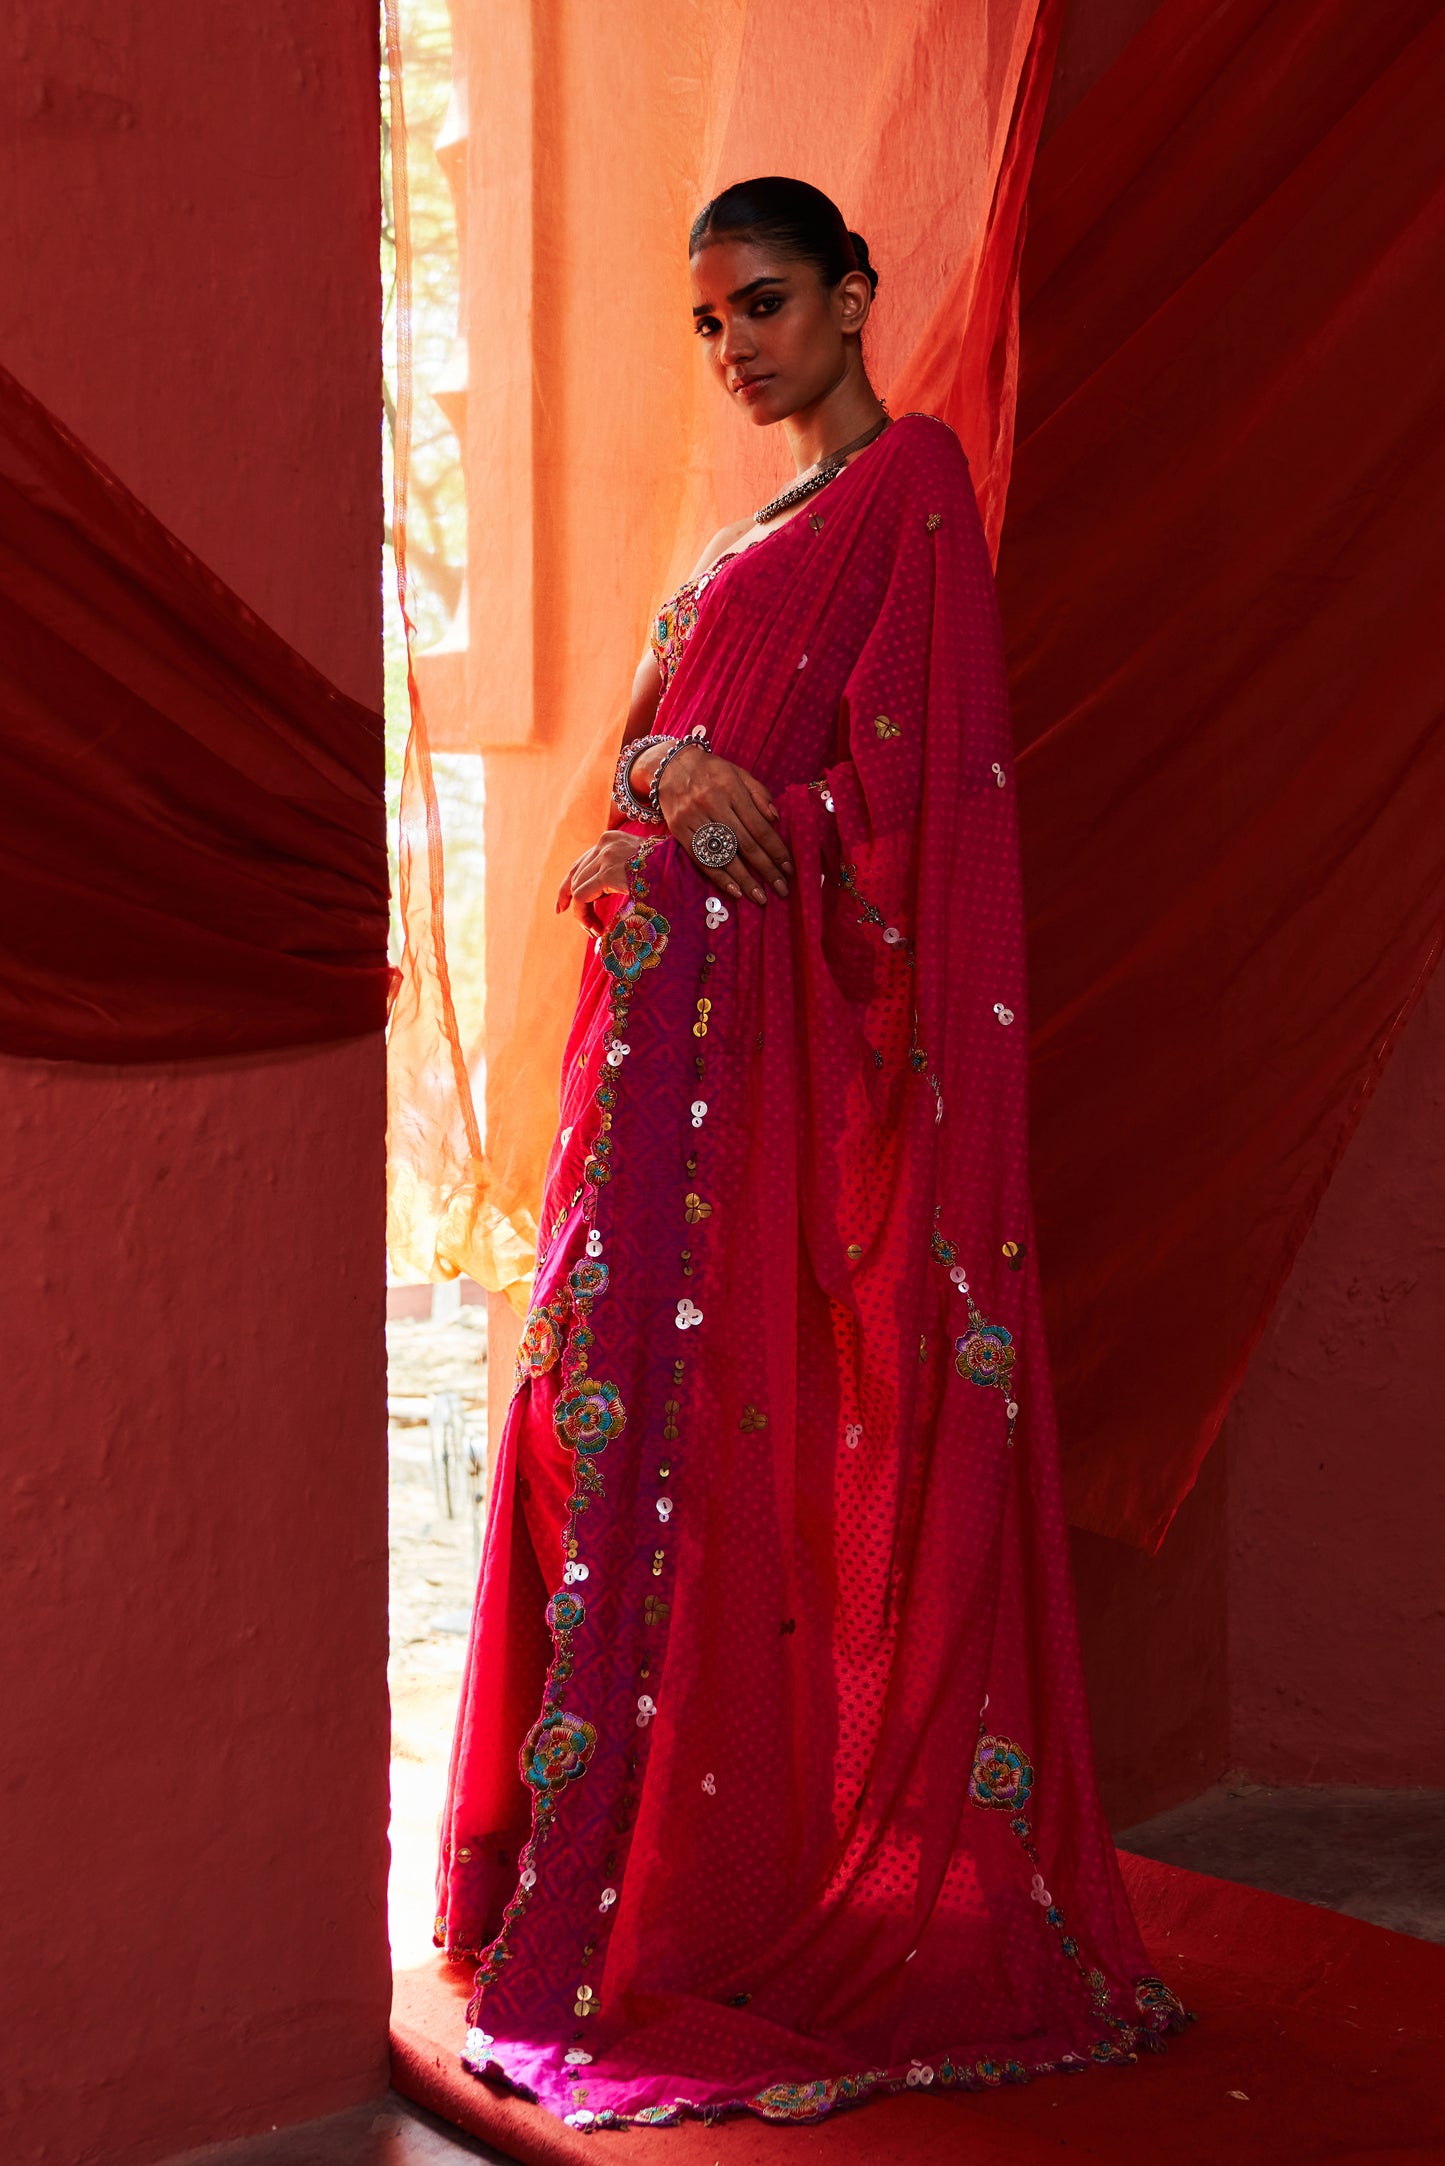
(752, 1420)
(816, 522)
(693, 1208)
(855, 1252)
(934, 521)
(885, 728)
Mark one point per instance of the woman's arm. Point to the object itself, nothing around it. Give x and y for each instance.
(711, 789)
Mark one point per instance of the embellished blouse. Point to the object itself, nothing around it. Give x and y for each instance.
(676, 620)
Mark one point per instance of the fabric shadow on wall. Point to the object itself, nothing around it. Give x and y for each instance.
(1219, 581)
(195, 837)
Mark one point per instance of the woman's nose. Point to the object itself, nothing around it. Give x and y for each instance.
(738, 343)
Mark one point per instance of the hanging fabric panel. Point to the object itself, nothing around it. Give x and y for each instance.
(1220, 584)
(195, 849)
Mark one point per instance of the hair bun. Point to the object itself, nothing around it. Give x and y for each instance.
(860, 250)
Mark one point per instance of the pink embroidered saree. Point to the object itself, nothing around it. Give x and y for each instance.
(772, 1785)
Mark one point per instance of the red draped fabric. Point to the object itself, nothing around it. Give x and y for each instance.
(1219, 581)
(195, 851)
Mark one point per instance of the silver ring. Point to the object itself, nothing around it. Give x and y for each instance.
(714, 845)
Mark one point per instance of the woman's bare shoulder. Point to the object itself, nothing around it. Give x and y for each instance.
(721, 542)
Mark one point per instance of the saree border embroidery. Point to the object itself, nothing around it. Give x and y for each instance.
(588, 1415)
(656, 1609)
(1002, 1780)
(1160, 2011)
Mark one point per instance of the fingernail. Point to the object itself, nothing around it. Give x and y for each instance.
(781, 886)
(788, 865)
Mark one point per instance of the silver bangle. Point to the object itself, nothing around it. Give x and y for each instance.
(632, 807)
(698, 736)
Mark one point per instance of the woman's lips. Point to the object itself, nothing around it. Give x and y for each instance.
(747, 387)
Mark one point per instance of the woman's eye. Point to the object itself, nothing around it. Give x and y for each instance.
(767, 304)
(706, 326)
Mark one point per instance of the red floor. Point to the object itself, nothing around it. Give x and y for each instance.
(1333, 2030)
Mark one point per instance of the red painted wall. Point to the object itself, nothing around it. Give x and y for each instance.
(194, 1756)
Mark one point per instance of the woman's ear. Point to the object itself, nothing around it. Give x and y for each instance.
(854, 297)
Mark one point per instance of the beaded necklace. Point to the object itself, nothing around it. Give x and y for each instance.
(798, 492)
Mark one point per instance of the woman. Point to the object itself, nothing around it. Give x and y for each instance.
(775, 1603)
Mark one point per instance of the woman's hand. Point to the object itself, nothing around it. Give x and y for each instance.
(602, 870)
(698, 787)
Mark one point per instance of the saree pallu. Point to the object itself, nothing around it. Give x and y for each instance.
(775, 1620)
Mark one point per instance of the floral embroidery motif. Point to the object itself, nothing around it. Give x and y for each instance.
(986, 1355)
(1160, 2005)
(934, 521)
(752, 1420)
(556, 1752)
(588, 1280)
(885, 728)
(1003, 1774)
(589, 1415)
(805, 2101)
(541, 1340)
(635, 944)
(565, 1611)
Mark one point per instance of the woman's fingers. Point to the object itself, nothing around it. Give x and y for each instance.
(564, 892)
(762, 797)
(760, 847)
(749, 816)
(711, 790)
(602, 870)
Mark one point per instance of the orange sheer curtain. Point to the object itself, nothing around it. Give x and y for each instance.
(596, 466)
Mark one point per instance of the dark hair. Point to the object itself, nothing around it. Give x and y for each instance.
(798, 220)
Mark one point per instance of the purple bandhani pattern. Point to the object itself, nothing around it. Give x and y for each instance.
(772, 1787)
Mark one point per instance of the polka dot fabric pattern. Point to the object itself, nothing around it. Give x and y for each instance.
(772, 1787)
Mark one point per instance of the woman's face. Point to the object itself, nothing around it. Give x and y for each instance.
(776, 336)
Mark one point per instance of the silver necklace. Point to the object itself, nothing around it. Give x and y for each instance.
(798, 492)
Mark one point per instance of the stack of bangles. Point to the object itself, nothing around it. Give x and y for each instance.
(714, 844)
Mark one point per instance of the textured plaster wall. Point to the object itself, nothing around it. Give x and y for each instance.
(193, 1761)
(1336, 1450)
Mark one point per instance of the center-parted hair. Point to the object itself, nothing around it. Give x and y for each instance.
(791, 216)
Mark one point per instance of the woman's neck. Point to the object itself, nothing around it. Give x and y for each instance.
(850, 409)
